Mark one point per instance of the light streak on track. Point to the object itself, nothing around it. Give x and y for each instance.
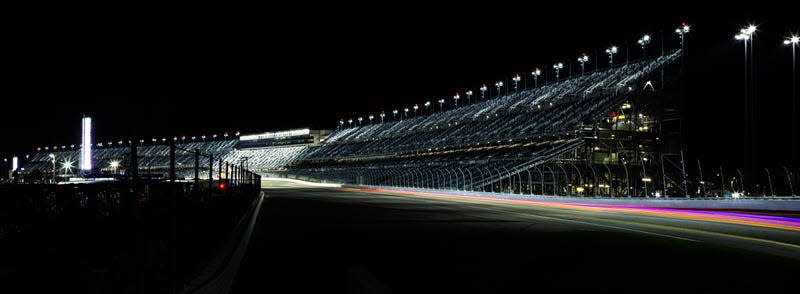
(775, 222)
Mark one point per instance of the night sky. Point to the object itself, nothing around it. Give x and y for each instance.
(153, 76)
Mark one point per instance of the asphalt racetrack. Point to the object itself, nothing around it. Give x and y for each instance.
(343, 240)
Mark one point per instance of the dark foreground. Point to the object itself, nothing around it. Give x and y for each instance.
(333, 241)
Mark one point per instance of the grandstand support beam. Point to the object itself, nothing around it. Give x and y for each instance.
(519, 182)
(580, 177)
(627, 180)
(219, 169)
(541, 180)
(594, 179)
(741, 180)
(482, 177)
(431, 183)
(702, 181)
(227, 171)
(470, 180)
(500, 177)
(398, 178)
(439, 181)
(769, 180)
(510, 186)
(683, 173)
(566, 179)
(464, 179)
(789, 180)
(530, 181)
(491, 185)
(450, 178)
(610, 181)
(553, 176)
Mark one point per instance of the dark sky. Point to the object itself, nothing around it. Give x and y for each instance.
(198, 73)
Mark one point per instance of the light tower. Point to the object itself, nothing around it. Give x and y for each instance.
(793, 41)
(86, 147)
(536, 73)
(558, 67)
(681, 31)
(583, 59)
(643, 43)
(516, 80)
(611, 51)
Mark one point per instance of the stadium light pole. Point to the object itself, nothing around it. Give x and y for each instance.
(341, 123)
(394, 114)
(681, 31)
(359, 120)
(455, 98)
(746, 36)
(483, 92)
(536, 73)
(382, 115)
(370, 118)
(350, 122)
(441, 104)
(406, 112)
(415, 109)
(793, 41)
(583, 59)
(611, 51)
(469, 95)
(516, 80)
(427, 104)
(498, 85)
(643, 42)
(558, 67)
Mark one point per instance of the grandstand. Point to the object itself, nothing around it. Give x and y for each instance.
(263, 153)
(609, 132)
(561, 138)
(520, 142)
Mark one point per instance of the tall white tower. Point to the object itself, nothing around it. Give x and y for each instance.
(86, 141)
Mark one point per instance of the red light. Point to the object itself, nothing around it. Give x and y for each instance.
(613, 114)
(222, 186)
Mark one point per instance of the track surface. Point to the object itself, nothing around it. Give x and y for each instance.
(333, 240)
